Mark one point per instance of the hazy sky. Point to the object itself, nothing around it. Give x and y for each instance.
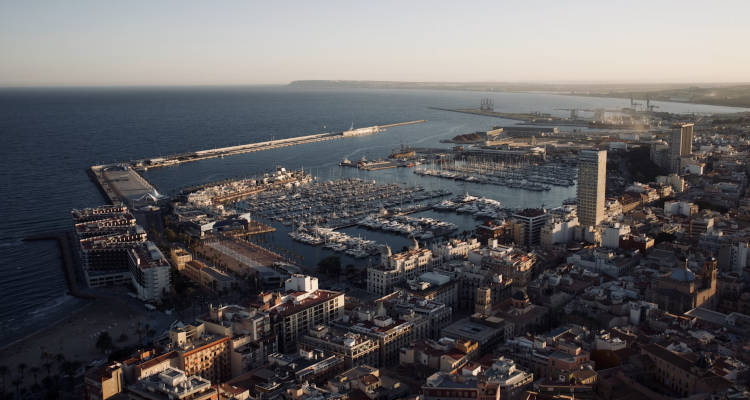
(251, 42)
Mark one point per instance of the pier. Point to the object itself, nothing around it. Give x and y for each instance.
(121, 183)
(262, 146)
(66, 254)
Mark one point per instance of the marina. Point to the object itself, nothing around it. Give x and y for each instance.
(421, 228)
(335, 203)
(533, 177)
(480, 207)
(356, 247)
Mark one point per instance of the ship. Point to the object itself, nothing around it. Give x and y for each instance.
(402, 153)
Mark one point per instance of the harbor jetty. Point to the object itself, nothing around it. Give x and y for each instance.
(68, 265)
(262, 146)
(121, 182)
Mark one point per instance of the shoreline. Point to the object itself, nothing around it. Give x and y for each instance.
(48, 326)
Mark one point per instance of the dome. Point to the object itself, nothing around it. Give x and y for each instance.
(682, 274)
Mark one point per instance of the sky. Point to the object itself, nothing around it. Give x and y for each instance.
(164, 42)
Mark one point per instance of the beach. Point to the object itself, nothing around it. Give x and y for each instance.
(75, 336)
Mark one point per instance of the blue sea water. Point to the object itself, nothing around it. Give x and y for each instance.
(49, 137)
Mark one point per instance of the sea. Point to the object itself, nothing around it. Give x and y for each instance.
(50, 136)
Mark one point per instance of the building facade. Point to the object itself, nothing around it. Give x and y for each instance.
(592, 180)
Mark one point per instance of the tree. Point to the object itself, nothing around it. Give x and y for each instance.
(123, 338)
(17, 383)
(70, 367)
(104, 342)
(21, 369)
(48, 367)
(35, 373)
(59, 358)
(4, 374)
(170, 235)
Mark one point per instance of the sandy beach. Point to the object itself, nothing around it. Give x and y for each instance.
(75, 336)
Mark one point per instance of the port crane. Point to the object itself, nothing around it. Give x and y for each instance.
(650, 107)
(633, 103)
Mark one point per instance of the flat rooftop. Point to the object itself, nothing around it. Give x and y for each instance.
(128, 184)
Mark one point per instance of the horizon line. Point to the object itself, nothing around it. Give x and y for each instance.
(289, 83)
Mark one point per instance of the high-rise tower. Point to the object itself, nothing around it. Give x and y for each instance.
(592, 180)
(680, 145)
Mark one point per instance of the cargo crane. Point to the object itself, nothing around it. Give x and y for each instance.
(650, 107)
(633, 104)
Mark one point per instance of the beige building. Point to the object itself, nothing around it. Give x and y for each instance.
(299, 308)
(682, 290)
(104, 382)
(354, 348)
(397, 268)
(592, 180)
(208, 276)
(180, 257)
(680, 145)
(201, 353)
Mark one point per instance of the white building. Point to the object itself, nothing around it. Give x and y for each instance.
(150, 271)
(454, 248)
(613, 209)
(734, 256)
(557, 231)
(511, 380)
(680, 208)
(612, 234)
(695, 168)
(675, 181)
(605, 341)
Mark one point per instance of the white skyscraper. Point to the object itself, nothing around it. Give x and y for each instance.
(592, 180)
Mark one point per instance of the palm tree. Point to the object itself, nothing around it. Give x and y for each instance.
(4, 374)
(47, 366)
(35, 372)
(17, 383)
(59, 358)
(21, 369)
